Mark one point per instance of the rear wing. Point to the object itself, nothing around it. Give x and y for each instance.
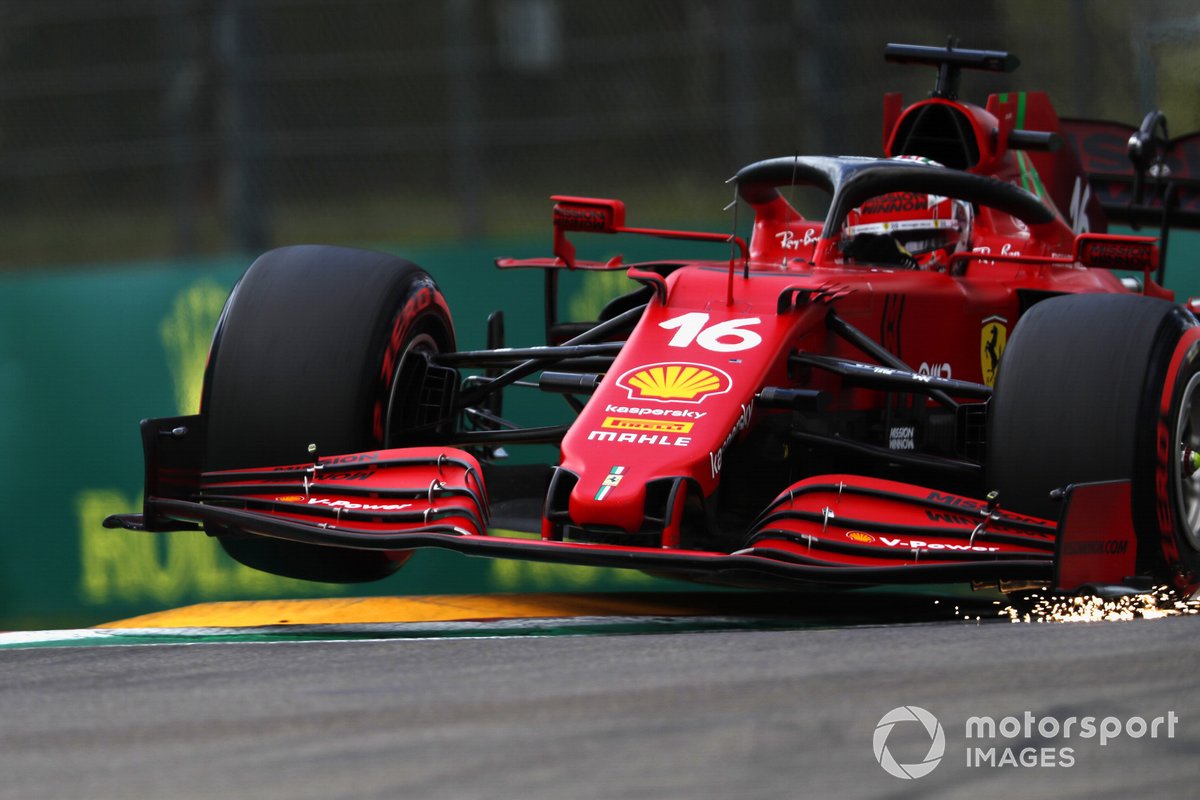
(1110, 172)
(1139, 176)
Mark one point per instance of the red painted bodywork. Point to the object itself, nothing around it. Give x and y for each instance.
(933, 321)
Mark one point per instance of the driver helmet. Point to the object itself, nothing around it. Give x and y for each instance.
(926, 229)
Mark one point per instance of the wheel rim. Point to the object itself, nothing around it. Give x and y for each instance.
(422, 343)
(1187, 473)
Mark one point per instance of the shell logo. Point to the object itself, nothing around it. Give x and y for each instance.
(860, 537)
(674, 382)
(291, 498)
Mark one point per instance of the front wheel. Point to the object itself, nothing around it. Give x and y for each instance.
(1105, 387)
(1177, 463)
(314, 347)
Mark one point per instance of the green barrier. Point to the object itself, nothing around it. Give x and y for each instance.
(85, 353)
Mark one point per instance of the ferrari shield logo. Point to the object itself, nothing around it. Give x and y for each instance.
(611, 481)
(991, 347)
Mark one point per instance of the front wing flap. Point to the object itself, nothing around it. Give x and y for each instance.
(381, 492)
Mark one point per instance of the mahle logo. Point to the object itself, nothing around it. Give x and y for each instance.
(932, 728)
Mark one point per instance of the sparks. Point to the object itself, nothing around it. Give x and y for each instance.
(1156, 604)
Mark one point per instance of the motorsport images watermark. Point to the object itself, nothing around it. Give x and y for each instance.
(1007, 741)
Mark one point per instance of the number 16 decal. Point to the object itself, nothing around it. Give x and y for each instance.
(723, 337)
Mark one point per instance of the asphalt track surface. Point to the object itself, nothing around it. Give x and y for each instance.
(704, 714)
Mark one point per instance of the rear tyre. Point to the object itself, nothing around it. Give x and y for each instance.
(309, 350)
(1105, 387)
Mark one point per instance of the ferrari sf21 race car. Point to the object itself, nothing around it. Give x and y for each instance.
(953, 375)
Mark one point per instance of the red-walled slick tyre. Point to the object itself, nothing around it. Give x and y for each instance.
(308, 351)
(1105, 387)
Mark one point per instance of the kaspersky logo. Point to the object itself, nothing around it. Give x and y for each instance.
(674, 382)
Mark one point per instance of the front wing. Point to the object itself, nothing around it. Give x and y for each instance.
(831, 530)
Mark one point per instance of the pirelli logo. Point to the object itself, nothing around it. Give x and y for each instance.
(646, 425)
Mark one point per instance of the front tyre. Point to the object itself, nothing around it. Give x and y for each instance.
(1177, 463)
(1105, 387)
(310, 350)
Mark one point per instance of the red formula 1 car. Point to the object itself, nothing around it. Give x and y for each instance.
(940, 380)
